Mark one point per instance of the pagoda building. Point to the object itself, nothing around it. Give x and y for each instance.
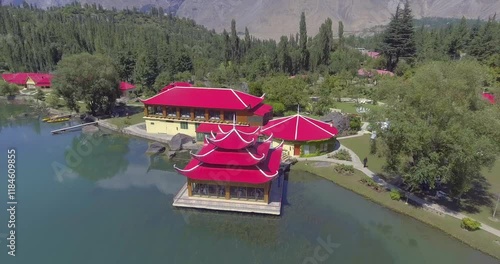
(234, 165)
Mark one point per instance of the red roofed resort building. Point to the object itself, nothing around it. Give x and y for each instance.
(126, 88)
(29, 80)
(233, 165)
(302, 135)
(183, 109)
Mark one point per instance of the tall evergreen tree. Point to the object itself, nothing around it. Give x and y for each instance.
(325, 42)
(399, 37)
(341, 35)
(304, 52)
(235, 43)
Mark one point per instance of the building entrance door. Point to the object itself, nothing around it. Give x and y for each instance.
(296, 150)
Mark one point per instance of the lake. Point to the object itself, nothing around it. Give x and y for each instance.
(101, 199)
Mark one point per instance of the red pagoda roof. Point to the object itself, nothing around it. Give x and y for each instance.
(233, 139)
(201, 97)
(263, 109)
(209, 127)
(299, 128)
(227, 157)
(40, 79)
(124, 86)
(246, 157)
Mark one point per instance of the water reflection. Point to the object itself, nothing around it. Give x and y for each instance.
(96, 156)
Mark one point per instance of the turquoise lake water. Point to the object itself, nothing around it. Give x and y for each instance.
(103, 200)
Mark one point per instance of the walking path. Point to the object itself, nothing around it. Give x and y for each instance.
(358, 164)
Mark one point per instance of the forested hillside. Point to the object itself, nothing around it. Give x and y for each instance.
(156, 48)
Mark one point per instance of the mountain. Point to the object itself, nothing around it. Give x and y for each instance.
(271, 19)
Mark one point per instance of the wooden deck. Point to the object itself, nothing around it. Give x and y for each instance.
(273, 208)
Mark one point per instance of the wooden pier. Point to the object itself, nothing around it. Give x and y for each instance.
(66, 129)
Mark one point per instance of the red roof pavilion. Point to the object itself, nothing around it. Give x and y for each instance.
(124, 86)
(299, 128)
(235, 156)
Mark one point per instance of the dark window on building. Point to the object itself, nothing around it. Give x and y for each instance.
(185, 112)
(214, 115)
(228, 116)
(199, 114)
(172, 112)
(184, 125)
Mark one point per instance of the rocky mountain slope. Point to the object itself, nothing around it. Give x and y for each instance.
(271, 19)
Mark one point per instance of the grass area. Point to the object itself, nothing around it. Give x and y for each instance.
(361, 146)
(485, 212)
(124, 121)
(351, 107)
(480, 240)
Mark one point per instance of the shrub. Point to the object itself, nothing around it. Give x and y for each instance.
(355, 123)
(52, 100)
(344, 169)
(395, 195)
(370, 183)
(470, 224)
(342, 154)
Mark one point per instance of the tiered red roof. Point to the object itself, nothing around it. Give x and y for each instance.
(40, 79)
(299, 128)
(124, 86)
(202, 97)
(235, 156)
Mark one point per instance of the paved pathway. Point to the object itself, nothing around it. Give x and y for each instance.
(357, 164)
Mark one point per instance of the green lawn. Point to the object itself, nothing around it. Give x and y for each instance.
(361, 146)
(351, 107)
(480, 240)
(124, 121)
(493, 178)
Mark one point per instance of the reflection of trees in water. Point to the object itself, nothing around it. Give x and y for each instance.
(10, 115)
(162, 162)
(97, 157)
(255, 230)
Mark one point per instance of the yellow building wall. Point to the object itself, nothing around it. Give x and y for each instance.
(155, 126)
(30, 84)
(287, 147)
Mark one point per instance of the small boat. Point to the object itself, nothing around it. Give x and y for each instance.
(46, 119)
(56, 120)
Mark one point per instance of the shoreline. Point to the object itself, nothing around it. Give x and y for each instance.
(454, 231)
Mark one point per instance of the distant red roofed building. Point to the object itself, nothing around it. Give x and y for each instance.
(126, 88)
(233, 165)
(370, 73)
(182, 109)
(490, 97)
(29, 80)
(373, 54)
(302, 135)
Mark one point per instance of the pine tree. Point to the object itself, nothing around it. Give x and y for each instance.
(248, 40)
(304, 52)
(341, 35)
(235, 43)
(325, 42)
(399, 37)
